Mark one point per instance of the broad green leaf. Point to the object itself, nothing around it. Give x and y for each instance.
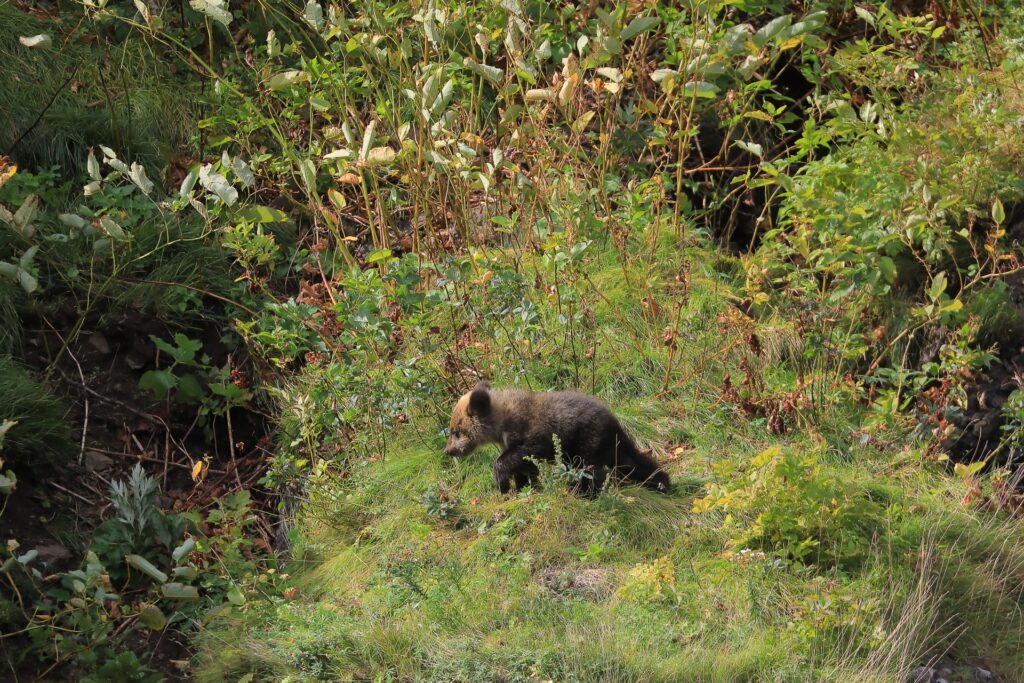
(183, 549)
(214, 9)
(138, 176)
(179, 591)
(544, 51)
(307, 170)
(490, 73)
(185, 573)
(188, 183)
(637, 26)
(93, 166)
(146, 567)
(158, 381)
(7, 484)
(153, 618)
(111, 228)
(700, 89)
(367, 140)
(580, 124)
(938, 286)
(190, 390)
(751, 147)
(313, 15)
(772, 29)
(217, 184)
(258, 213)
(286, 78)
(888, 268)
(998, 213)
(378, 255)
(235, 596)
(73, 220)
(27, 281)
(865, 16)
(963, 471)
(380, 155)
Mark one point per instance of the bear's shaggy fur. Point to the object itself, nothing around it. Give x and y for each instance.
(524, 424)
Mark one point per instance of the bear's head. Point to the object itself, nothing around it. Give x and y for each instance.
(472, 422)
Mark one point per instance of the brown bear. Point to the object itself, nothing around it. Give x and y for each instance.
(526, 424)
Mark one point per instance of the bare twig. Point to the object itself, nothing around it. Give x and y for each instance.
(79, 496)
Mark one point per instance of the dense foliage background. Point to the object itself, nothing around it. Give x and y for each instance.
(251, 252)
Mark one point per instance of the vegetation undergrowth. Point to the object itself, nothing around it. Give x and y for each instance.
(257, 256)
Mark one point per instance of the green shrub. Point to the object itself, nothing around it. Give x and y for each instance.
(783, 501)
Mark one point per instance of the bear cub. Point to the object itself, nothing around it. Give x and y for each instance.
(524, 423)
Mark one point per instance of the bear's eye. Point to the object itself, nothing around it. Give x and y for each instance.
(455, 433)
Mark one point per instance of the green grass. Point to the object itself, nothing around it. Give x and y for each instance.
(545, 585)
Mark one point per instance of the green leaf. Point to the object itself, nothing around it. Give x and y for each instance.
(378, 255)
(185, 573)
(153, 618)
(313, 15)
(189, 389)
(286, 78)
(188, 183)
(146, 567)
(967, 471)
(258, 213)
(700, 89)
(888, 268)
(217, 184)
(490, 73)
(580, 124)
(179, 591)
(998, 213)
(93, 166)
(138, 176)
(235, 596)
(751, 147)
(183, 549)
(637, 26)
(307, 170)
(111, 228)
(938, 286)
(7, 483)
(158, 381)
(214, 9)
(772, 29)
(865, 16)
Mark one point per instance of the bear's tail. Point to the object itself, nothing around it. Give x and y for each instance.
(637, 466)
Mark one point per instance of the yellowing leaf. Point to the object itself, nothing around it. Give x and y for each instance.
(580, 124)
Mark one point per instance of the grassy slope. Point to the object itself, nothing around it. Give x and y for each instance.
(415, 568)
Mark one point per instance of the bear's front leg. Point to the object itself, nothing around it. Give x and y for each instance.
(513, 470)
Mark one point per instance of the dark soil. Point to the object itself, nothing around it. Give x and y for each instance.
(98, 374)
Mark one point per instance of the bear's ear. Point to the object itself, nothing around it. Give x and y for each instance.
(479, 399)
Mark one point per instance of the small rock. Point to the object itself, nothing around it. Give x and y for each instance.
(53, 552)
(97, 462)
(99, 342)
(982, 674)
(921, 674)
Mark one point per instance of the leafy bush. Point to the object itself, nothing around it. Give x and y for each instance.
(783, 501)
